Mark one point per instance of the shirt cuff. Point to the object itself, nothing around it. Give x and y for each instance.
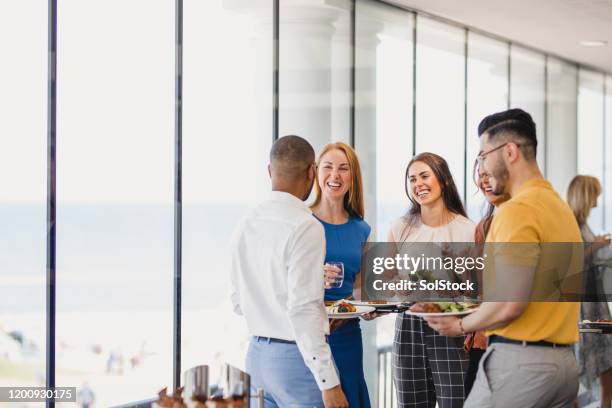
(327, 377)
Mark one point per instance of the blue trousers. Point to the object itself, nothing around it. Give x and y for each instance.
(279, 369)
(347, 350)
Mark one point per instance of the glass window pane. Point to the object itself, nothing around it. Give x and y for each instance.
(561, 124)
(527, 82)
(590, 135)
(115, 197)
(383, 136)
(440, 94)
(341, 64)
(384, 98)
(227, 134)
(487, 93)
(314, 71)
(23, 192)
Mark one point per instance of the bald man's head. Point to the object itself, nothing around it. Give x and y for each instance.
(290, 158)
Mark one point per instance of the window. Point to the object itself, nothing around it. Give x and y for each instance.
(528, 92)
(314, 71)
(23, 192)
(440, 94)
(227, 134)
(487, 93)
(562, 104)
(115, 197)
(384, 90)
(591, 134)
(383, 136)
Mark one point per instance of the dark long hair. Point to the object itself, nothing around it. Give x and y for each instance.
(450, 195)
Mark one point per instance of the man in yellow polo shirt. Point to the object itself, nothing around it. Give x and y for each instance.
(529, 361)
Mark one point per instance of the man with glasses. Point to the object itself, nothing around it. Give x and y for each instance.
(529, 361)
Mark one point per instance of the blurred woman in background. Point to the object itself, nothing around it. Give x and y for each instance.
(594, 351)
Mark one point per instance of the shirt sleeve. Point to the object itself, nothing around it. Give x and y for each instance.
(306, 310)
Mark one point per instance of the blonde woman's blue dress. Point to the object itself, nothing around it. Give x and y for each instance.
(344, 244)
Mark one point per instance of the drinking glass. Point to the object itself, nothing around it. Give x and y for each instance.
(339, 277)
(196, 382)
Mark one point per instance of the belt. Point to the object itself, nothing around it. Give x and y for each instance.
(541, 343)
(272, 340)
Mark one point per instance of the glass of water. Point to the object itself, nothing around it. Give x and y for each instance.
(339, 277)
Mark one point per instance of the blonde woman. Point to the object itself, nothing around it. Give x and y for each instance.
(595, 352)
(339, 207)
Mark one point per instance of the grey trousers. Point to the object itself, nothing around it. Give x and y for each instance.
(512, 375)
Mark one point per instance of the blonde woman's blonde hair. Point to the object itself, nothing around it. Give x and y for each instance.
(353, 199)
(582, 195)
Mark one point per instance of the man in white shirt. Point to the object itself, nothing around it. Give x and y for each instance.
(277, 284)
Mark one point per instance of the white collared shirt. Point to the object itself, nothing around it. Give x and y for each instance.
(277, 259)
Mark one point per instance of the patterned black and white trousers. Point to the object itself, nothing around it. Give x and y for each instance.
(427, 367)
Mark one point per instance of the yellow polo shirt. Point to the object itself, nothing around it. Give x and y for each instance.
(536, 214)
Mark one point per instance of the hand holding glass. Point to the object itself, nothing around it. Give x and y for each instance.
(334, 274)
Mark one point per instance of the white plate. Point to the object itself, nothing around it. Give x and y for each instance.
(588, 322)
(351, 315)
(423, 314)
(365, 303)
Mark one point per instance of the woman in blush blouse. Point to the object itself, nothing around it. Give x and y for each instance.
(428, 367)
(339, 207)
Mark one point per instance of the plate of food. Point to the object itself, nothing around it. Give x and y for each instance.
(597, 326)
(343, 309)
(442, 308)
(598, 323)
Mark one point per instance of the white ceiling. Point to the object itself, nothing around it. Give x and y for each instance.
(554, 26)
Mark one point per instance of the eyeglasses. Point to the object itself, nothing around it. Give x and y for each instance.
(480, 158)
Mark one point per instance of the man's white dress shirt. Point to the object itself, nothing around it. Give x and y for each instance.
(277, 279)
